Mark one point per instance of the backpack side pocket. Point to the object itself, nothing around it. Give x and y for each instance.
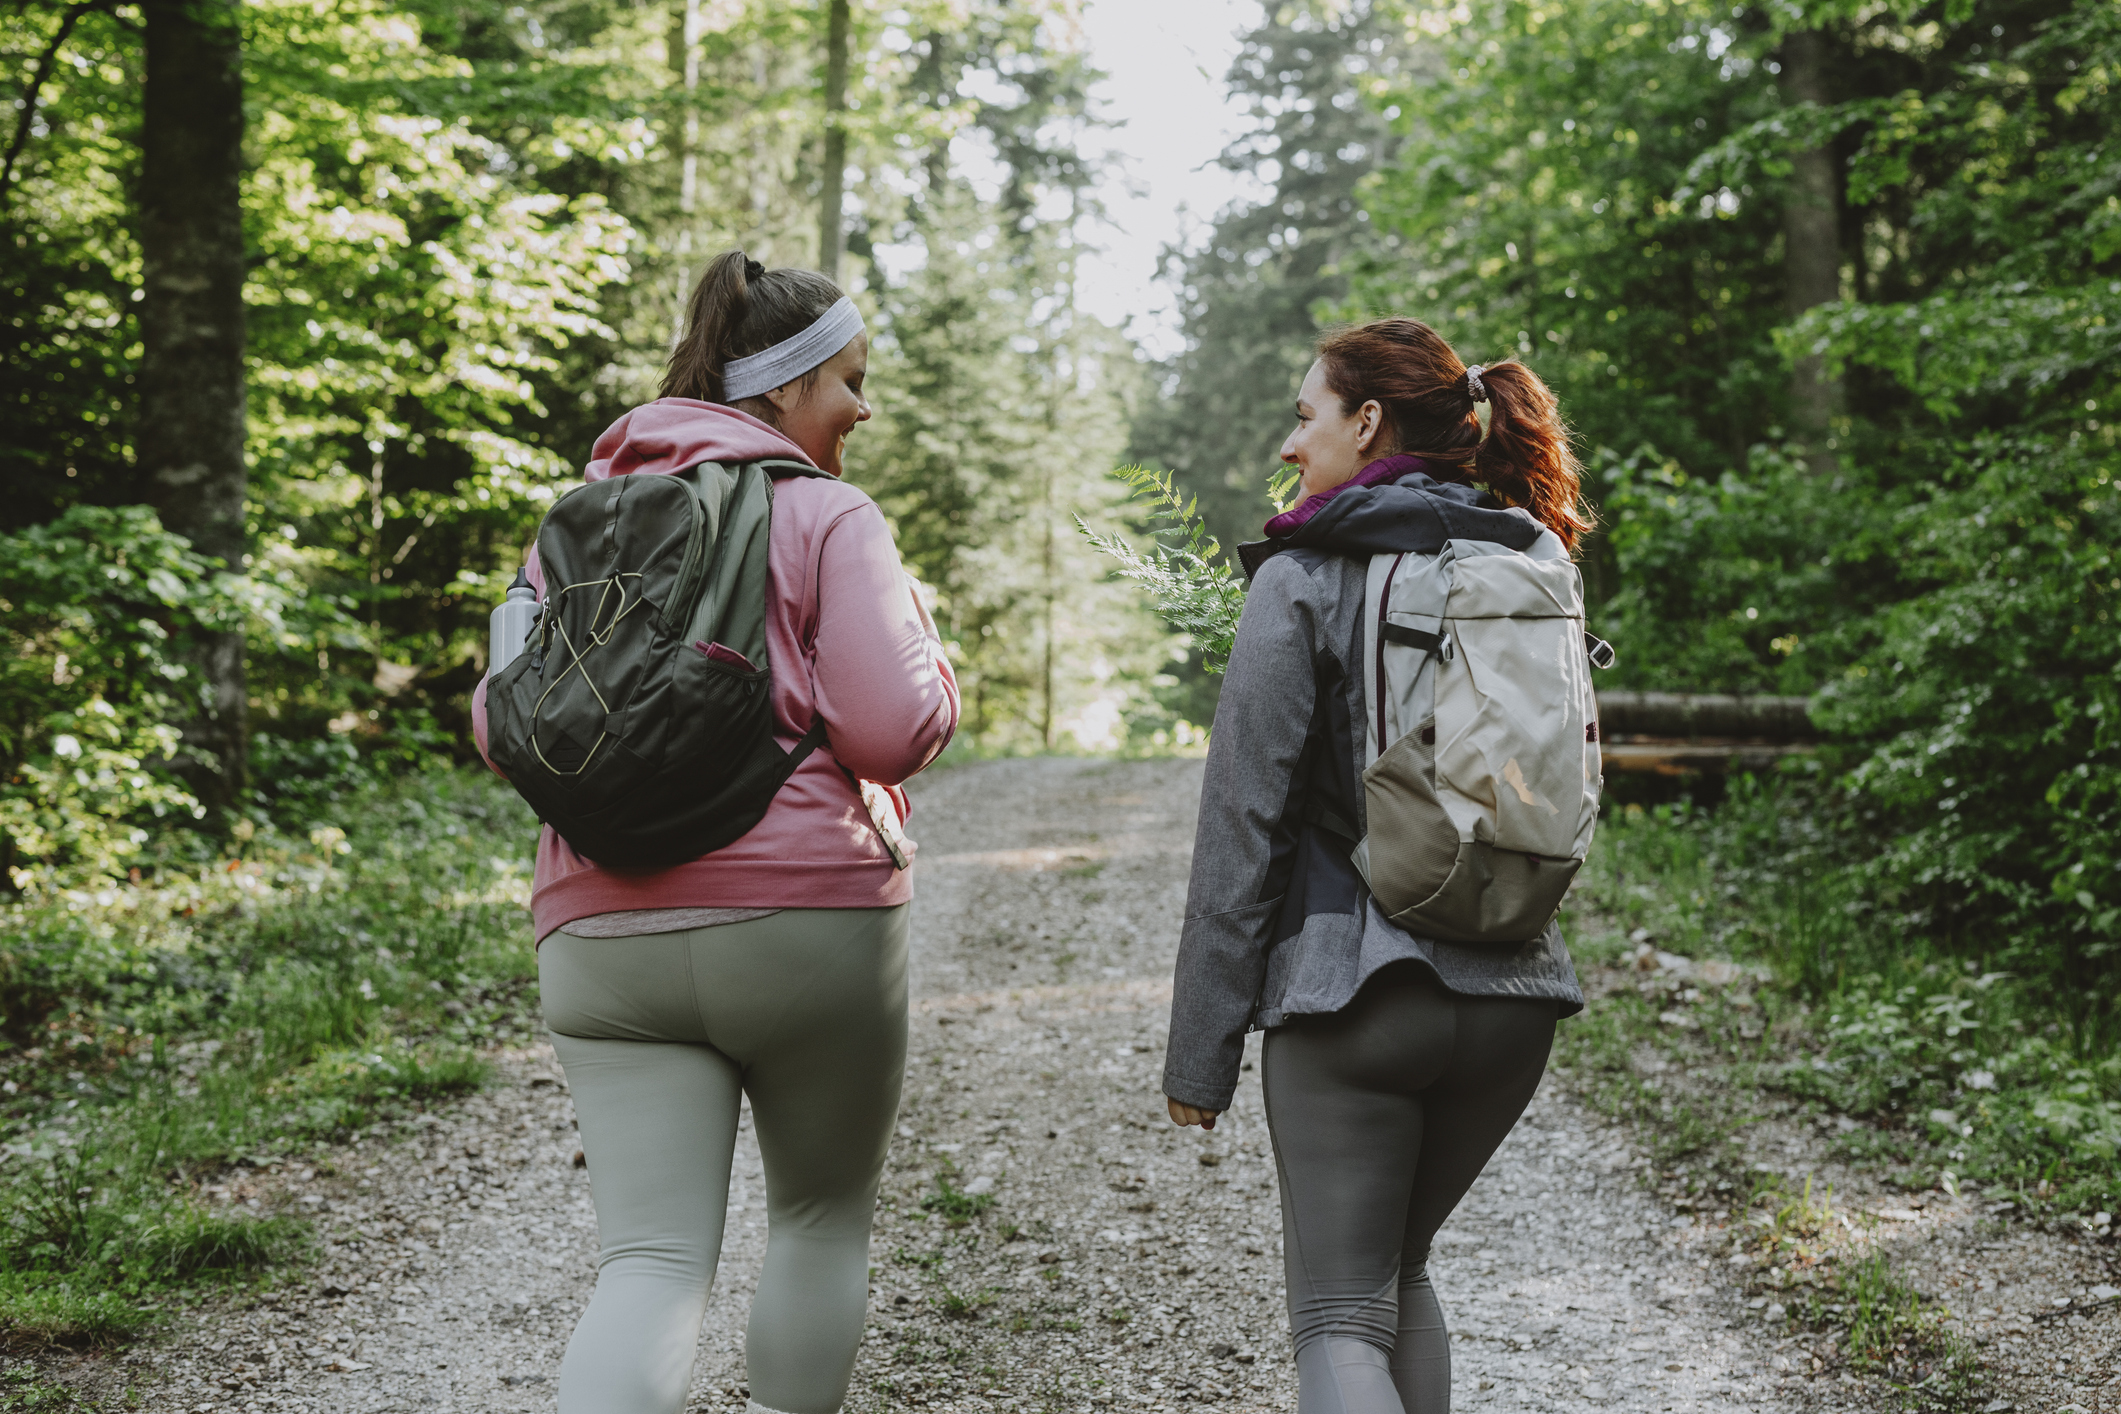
(1400, 805)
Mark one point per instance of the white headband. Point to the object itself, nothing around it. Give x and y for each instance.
(790, 359)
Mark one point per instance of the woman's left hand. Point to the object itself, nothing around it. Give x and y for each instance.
(1188, 1114)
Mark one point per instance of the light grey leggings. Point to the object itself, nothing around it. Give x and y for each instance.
(805, 1012)
(1383, 1114)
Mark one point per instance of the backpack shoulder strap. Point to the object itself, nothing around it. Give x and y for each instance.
(1404, 598)
(780, 468)
(1377, 585)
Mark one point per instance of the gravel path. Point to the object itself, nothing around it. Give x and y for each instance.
(1046, 1240)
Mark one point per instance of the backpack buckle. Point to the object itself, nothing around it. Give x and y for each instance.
(1598, 650)
(1438, 644)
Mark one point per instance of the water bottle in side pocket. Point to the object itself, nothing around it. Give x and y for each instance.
(509, 629)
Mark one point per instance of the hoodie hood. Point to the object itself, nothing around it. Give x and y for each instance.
(1413, 514)
(671, 434)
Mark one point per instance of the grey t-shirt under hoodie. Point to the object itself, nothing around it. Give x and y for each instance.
(1278, 922)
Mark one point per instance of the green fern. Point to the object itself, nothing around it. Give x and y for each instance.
(1282, 487)
(1192, 589)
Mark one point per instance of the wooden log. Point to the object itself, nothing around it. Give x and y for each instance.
(1685, 716)
(1682, 758)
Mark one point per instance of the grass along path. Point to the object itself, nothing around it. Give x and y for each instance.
(1914, 1290)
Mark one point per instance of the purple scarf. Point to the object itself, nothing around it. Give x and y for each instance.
(1382, 470)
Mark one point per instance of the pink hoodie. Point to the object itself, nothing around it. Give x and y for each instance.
(846, 645)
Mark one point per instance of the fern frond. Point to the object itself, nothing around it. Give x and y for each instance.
(1191, 588)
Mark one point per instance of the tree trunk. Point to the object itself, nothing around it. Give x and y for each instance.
(191, 326)
(1811, 237)
(686, 32)
(685, 58)
(830, 236)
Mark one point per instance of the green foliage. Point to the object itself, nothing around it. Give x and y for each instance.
(1891, 1325)
(93, 608)
(1599, 187)
(1252, 288)
(1968, 1070)
(1737, 556)
(153, 1035)
(2003, 647)
(1822, 1274)
(423, 267)
(1191, 586)
(419, 268)
(1000, 407)
(1533, 211)
(959, 1306)
(40, 1309)
(473, 229)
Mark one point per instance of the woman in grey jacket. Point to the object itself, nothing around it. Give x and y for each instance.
(1394, 1065)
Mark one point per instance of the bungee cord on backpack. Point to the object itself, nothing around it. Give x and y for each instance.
(555, 622)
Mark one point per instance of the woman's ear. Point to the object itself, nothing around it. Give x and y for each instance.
(1369, 421)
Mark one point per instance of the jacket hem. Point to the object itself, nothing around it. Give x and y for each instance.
(1293, 1007)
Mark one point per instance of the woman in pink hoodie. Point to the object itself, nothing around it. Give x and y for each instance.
(774, 967)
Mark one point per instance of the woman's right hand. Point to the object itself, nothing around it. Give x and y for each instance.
(1188, 1114)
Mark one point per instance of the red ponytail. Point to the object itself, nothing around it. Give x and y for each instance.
(1525, 460)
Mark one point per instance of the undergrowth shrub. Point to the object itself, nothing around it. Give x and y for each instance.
(94, 609)
(1964, 1068)
(311, 982)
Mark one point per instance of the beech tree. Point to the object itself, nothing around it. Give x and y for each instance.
(1811, 238)
(191, 456)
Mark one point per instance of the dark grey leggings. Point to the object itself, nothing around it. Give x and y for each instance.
(1383, 1114)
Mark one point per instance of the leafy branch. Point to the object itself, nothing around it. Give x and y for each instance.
(1192, 589)
(26, 121)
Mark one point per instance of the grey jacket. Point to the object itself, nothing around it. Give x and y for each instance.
(1278, 922)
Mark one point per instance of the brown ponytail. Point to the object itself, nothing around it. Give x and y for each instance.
(741, 308)
(1405, 366)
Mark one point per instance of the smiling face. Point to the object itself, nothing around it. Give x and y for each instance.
(819, 419)
(1331, 444)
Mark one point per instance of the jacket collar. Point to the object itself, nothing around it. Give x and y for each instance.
(1406, 511)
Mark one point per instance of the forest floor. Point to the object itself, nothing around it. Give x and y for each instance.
(1047, 1240)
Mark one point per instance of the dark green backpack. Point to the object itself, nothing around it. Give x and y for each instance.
(639, 724)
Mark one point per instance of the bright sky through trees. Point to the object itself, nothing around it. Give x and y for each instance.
(1172, 115)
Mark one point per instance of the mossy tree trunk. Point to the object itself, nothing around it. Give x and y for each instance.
(190, 444)
(831, 234)
(1811, 231)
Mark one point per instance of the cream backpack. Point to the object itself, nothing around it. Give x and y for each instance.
(1482, 772)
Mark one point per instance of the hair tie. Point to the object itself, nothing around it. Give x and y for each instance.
(1474, 388)
(752, 269)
